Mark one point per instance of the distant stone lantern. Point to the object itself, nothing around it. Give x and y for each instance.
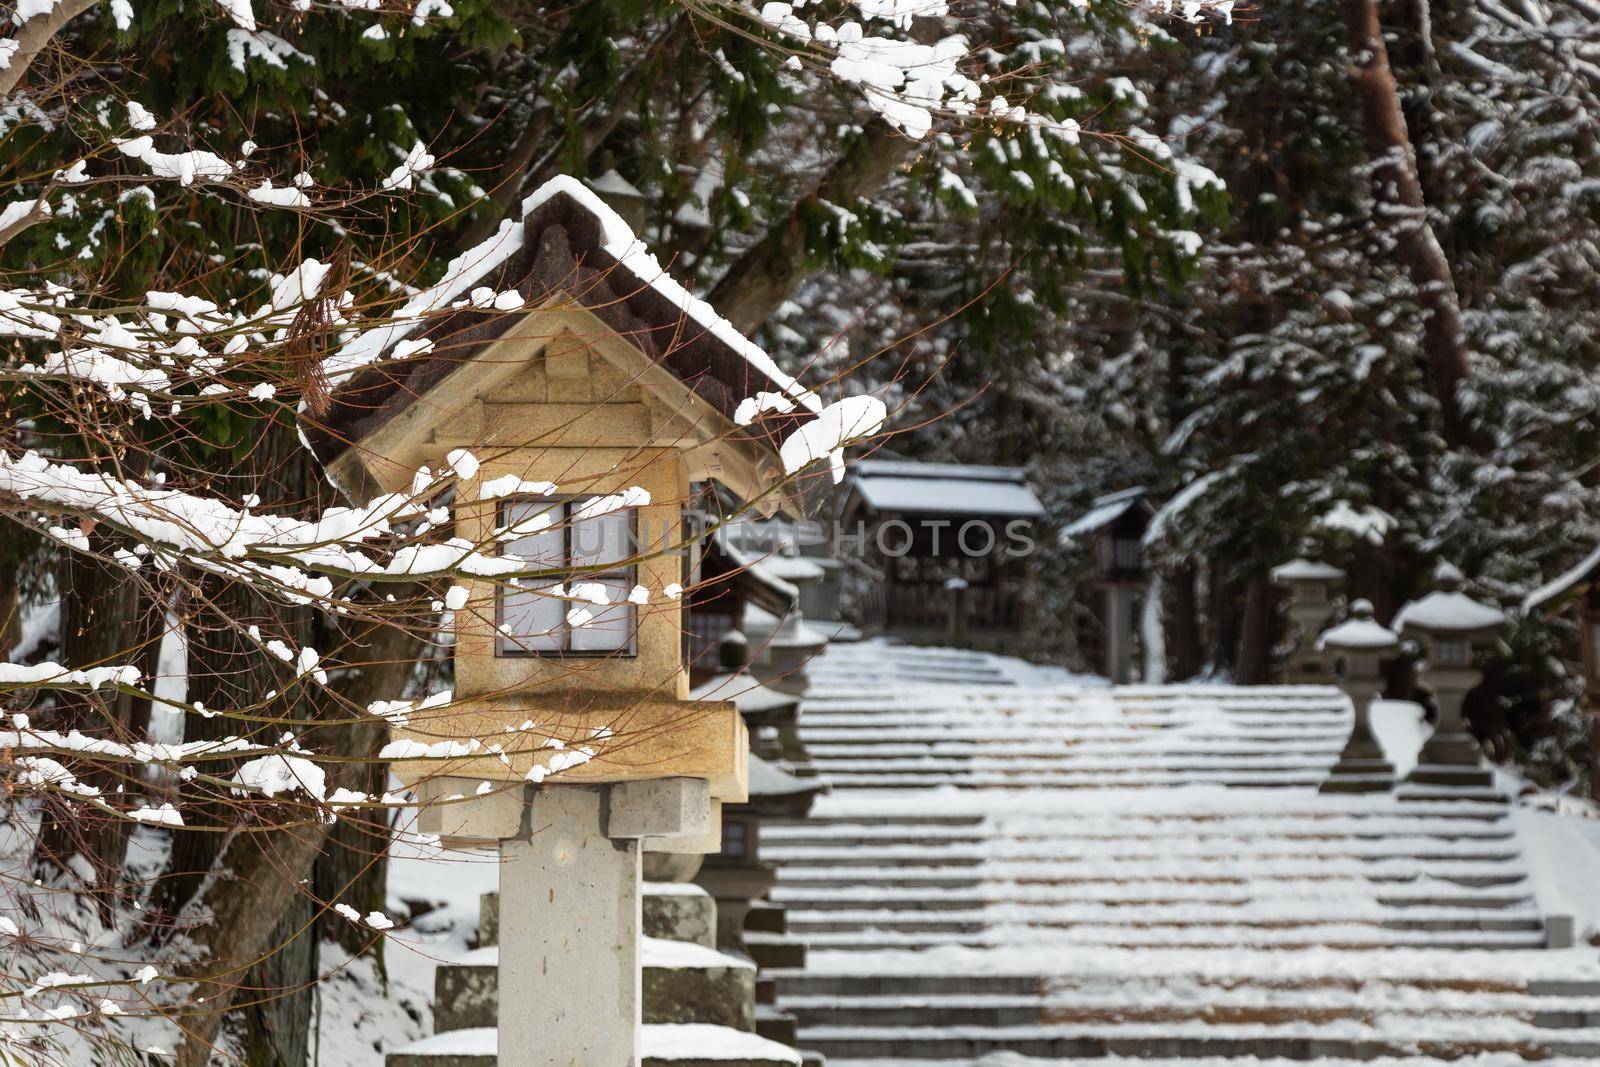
(1450, 624)
(1310, 584)
(1363, 644)
(1116, 527)
(623, 197)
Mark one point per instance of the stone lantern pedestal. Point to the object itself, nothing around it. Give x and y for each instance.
(1363, 644)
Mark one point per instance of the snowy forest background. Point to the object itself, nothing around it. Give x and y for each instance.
(1199, 271)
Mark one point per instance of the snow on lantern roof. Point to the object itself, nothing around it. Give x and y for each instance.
(767, 779)
(1447, 610)
(791, 568)
(1105, 510)
(612, 183)
(567, 242)
(1306, 570)
(748, 695)
(1359, 633)
(1563, 585)
(945, 488)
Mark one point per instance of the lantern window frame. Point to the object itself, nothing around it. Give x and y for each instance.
(510, 646)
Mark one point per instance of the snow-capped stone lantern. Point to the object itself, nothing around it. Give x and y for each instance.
(1362, 644)
(1310, 584)
(574, 392)
(1449, 623)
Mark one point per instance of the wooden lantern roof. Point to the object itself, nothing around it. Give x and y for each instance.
(1125, 513)
(569, 264)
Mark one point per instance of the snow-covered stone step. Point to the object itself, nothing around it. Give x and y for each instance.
(1145, 727)
(1199, 810)
(1218, 937)
(930, 891)
(692, 1045)
(1423, 851)
(1196, 872)
(1169, 827)
(1051, 915)
(1217, 1006)
(885, 749)
(1068, 762)
(683, 982)
(1154, 976)
(1308, 779)
(1439, 1038)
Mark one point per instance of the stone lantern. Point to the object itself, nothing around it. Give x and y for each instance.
(1116, 526)
(1449, 623)
(1310, 584)
(623, 197)
(575, 419)
(1362, 644)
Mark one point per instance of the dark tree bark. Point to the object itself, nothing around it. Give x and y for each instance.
(256, 880)
(1400, 201)
(1226, 618)
(1183, 614)
(1258, 631)
(104, 621)
(765, 276)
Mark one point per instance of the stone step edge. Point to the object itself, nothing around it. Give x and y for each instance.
(660, 1043)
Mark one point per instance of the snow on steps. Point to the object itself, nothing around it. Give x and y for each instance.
(1144, 872)
(688, 1045)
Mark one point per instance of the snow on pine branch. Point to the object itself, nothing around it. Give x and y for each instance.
(907, 81)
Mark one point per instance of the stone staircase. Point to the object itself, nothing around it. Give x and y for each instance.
(1145, 874)
(699, 1004)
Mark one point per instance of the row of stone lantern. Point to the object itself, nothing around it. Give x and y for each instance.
(1448, 623)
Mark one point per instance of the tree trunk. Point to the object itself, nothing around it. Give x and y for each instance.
(1398, 193)
(260, 874)
(1255, 641)
(1183, 613)
(1225, 620)
(354, 868)
(103, 622)
(762, 279)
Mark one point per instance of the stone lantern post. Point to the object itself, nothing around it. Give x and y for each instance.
(1363, 644)
(1310, 584)
(1449, 623)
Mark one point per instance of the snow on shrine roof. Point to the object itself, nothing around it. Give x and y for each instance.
(1564, 583)
(1306, 570)
(567, 242)
(1104, 511)
(1448, 612)
(893, 485)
